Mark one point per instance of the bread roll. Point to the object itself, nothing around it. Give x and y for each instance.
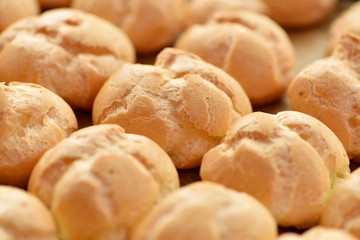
(33, 119)
(182, 103)
(151, 25)
(297, 14)
(247, 45)
(100, 181)
(13, 10)
(24, 217)
(347, 22)
(319, 233)
(343, 208)
(67, 51)
(198, 11)
(289, 161)
(328, 90)
(47, 4)
(205, 210)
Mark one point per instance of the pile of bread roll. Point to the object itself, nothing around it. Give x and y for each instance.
(107, 105)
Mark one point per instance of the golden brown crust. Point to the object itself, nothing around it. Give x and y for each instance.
(207, 210)
(151, 25)
(272, 158)
(13, 10)
(124, 174)
(328, 90)
(250, 47)
(33, 119)
(69, 52)
(319, 233)
(297, 14)
(342, 209)
(23, 216)
(182, 103)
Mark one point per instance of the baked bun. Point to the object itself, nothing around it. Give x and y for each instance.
(198, 11)
(67, 51)
(205, 210)
(347, 22)
(13, 10)
(328, 89)
(250, 47)
(47, 4)
(182, 103)
(23, 216)
(151, 25)
(289, 162)
(100, 181)
(33, 119)
(319, 233)
(297, 14)
(343, 208)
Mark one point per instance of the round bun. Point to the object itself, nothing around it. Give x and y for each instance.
(23, 216)
(328, 90)
(289, 162)
(250, 47)
(151, 25)
(347, 22)
(319, 233)
(100, 181)
(67, 51)
(47, 4)
(205, 210)
(297, 14)
(13, 10)
(33, 119)
(199, 11)
(343, 208)
(182, 103)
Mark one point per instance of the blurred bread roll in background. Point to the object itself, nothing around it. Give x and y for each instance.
(182, 103)
(249, 46)
(151, 25)
(70, 52)
(319, 233)
(205, 210)
(47, 4)
(23, 216)
(289, 161)
(199, 11)
(347, 22)
(33, 119)
(13, 10)
(299, 14)
(328, 89)
(100, 181)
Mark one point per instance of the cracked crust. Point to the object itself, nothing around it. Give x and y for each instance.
(182, 103)
(125, 175)
(250, 47)
(207, 210)
(32, 119)
(342, 209)
(67, 51)
(328, 90)
(23, 216)
(283, 160)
